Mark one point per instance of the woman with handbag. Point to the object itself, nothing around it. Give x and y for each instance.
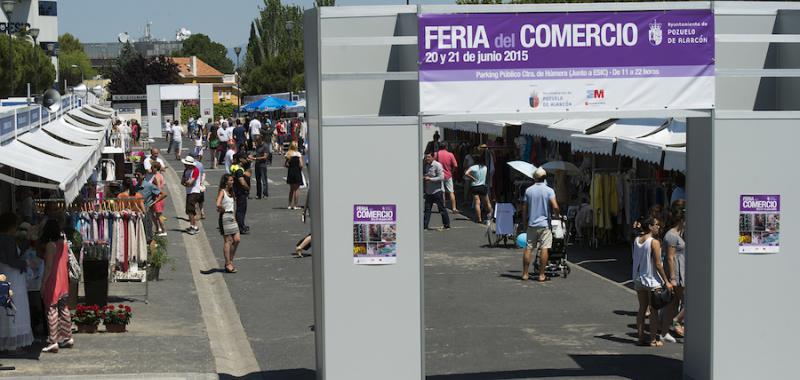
(55, 288)
(226, 206)
(648, 275)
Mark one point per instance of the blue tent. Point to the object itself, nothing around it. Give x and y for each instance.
(268, 104)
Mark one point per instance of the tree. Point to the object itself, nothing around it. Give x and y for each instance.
(31, 65)
(324, 3)
(71, 54)
(213, 53)
(131, 72)
(274, 60)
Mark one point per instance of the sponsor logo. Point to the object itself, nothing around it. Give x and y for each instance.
(595, 96)
(655, 35)
(534, 100)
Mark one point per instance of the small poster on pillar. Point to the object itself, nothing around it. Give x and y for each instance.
(374, 234)
(759, 223)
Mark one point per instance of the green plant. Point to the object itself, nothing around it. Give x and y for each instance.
(87, 314)
(157, 255)
(120, 315)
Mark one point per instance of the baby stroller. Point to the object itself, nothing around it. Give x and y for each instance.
(502, 225)
(557, 258)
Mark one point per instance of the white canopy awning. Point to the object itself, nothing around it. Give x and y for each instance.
(65, 165)
(536, 127)
(560, 130)
(88, 119)
(675, 158)
(82, 124)
(464, 126)
(98, 111)
(603, 142)
(66, 131)
(495, 127)
(651, 147)
(61, 171)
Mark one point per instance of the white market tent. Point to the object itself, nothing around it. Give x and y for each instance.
(603, 142)
(651, 147)
(495, 127)
(561, 130)
(675, 158)
(61, 154)
(464, 126)
(88, 119)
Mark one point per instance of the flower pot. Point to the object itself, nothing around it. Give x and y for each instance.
(152, 273)
(87, 328)
(115, 328)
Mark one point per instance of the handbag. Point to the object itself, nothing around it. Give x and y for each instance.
(660, 297)
(74, 267)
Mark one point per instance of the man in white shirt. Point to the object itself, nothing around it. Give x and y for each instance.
(224, 133)
(154, 156)
(168, 132)
(229, 155)
(177, 139)
(255, 130)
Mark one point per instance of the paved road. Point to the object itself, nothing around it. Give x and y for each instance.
(481, 321)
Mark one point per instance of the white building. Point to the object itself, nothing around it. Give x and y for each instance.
(40, 14)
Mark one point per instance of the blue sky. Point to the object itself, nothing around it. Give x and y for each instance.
(227, 21)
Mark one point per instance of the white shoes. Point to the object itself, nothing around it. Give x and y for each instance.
(51, 348)
(668, 338)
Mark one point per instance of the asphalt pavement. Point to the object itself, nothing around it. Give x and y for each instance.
(482, 322)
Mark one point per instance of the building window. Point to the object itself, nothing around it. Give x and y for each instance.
(48, 8)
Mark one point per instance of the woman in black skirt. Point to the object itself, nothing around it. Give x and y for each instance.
(294, 162)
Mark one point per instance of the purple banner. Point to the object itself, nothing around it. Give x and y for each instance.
(760, 203)
(375, 213)
(594, 40)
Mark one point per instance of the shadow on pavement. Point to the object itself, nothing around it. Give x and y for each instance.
(212, 271)
(625, 366)
(287, 374)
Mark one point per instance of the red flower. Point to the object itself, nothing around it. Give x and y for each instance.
(127, 309)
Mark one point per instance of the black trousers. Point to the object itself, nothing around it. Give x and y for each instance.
(241, 210)
(430, 200)
(261, 181)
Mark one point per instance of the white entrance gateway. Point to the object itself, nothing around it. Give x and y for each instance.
(157, 93)
(363, 73)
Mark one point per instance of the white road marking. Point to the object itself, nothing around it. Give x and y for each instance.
(228, 340)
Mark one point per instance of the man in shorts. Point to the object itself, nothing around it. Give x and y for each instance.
(450, 166)
(540, 200)
(192, 180)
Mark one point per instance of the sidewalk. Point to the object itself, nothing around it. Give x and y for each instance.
(166, 339)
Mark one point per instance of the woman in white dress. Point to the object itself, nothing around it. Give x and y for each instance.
(15, 324)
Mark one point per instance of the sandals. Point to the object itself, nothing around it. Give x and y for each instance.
(298, 253)
(230, 269)
(679, 330)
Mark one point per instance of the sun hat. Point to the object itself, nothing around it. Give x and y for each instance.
(539, 173)
(188, 160)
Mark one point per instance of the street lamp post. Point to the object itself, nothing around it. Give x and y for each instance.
(289, 27)
(81, 70)
(238, 50)
(34, 33)
(8, 8)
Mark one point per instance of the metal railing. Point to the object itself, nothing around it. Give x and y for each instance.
(17, 121)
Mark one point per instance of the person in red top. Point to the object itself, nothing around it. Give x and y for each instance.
(55, 288)
(450, 166)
